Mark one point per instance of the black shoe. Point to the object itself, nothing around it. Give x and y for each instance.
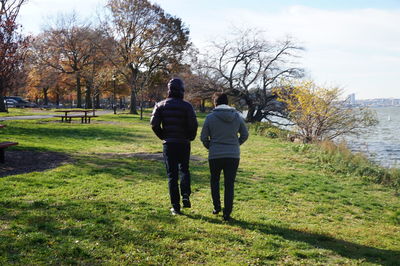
(175, 212)
(226, 217)
(216, 210)
(186, 203)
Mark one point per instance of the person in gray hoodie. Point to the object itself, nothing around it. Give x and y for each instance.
(220, 136)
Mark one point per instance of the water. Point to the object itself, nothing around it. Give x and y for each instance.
(382, 143)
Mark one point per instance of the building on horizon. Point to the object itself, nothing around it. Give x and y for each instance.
(351, 99)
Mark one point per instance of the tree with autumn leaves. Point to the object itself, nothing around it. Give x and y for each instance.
(319, 113)
(146, 40)
(12, 46)
(68, 47)
(137, 43)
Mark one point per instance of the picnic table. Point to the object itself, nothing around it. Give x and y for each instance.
(4, 145)
(85, 117)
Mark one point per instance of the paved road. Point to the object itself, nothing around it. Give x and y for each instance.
(25, 117)
(42, 116)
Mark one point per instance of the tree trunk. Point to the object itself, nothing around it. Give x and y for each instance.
(141, 110)
(45, 96)
(88, 98)
(252, 112)
(97, 101)
(202, 105)
(78, 91)
(2, 104)
(258, 116)
(57, 99)
(133, 109)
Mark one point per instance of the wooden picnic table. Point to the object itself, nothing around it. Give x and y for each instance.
(85, 118)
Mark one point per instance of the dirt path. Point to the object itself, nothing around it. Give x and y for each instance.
(27, 117)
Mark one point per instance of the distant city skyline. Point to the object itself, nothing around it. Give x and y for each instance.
(378, 102)
(352, 44)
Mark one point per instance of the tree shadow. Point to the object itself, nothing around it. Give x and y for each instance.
(342, 247)
(60, 231)
(132, 168)
(27, 161)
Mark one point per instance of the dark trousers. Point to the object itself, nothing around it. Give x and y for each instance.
(176, 157)
(229, 166)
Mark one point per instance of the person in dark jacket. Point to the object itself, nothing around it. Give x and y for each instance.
(220, 136)
(174, 122)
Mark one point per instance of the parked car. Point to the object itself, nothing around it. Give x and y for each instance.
(10, 103)
(20, 102)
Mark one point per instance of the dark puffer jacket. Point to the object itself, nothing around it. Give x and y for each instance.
(174, 120)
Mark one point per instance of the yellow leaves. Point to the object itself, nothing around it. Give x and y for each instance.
(319, 112)
(308, 98)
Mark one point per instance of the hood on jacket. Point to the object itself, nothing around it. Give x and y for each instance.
(176, 89)
(225, 113)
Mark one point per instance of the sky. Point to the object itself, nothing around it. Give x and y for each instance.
(353, 44)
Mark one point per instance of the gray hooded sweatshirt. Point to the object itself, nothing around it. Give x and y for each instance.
(220, 133)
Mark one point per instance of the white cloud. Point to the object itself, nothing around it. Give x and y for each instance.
(356, 49)
(36, 13)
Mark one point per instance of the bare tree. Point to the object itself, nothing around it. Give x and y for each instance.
(249, 67)
(201, 85)
(12, 45)
(146, 38)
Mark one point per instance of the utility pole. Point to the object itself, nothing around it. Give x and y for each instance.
(114, 106)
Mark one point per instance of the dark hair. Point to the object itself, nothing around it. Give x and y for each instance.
(176, 88)
(220, 98)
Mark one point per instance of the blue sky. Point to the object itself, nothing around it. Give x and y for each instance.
(353, 44)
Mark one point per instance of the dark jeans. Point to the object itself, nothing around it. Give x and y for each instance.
(229, 166)
(176, 157)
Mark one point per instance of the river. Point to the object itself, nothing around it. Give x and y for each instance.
(381, 143)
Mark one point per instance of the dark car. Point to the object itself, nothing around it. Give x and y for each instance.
(20, 102)
(10, 103)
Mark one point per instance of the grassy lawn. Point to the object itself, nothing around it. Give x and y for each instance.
(106, 207)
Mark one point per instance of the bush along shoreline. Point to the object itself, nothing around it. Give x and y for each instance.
(335, 157)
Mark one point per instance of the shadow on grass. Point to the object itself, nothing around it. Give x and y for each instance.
(27, 161)
(79, 231)
(343, 248)
(89, 230)
(133, 169)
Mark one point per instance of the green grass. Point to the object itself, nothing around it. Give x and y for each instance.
(103, 209)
